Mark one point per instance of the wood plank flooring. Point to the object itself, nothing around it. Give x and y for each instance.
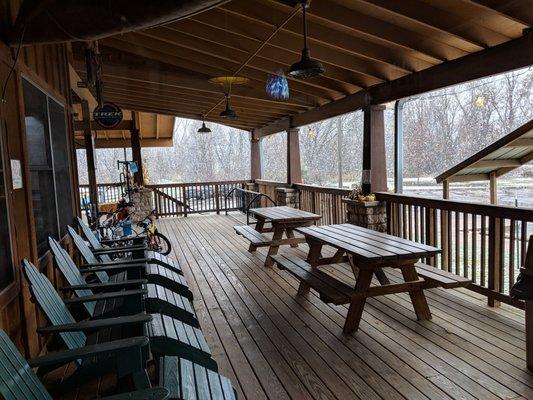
(275, 345)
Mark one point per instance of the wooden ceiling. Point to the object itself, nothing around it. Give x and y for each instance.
(155, 130)
(365, 45)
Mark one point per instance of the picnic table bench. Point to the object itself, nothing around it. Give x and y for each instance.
(283, 220)
(367, 251)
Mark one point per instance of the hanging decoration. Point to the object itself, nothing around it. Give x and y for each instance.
(277, 86)
(228, 112)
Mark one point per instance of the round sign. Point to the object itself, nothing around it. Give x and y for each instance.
(108, 116)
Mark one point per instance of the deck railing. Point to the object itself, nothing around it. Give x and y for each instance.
(107, 192)
(483, 242)
(268, 188)
(177, 199)
(324, 201)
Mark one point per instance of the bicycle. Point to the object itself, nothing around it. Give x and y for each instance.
(156, 241)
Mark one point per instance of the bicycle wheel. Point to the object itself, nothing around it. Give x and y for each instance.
(161, 244)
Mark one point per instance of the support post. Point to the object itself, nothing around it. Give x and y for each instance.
(138, 177)
(446, 189)
(493, 188)
(398, 146)
(256, 162)
(374, 176)
(89, 152)
(294, 169)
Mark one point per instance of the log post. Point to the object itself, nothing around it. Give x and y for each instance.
(374, 175)
(294, 169)
(89, 152)
(138, 177)
(256, 163)
(493, 188)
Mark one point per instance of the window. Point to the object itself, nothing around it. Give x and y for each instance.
(46, 136)
(6, 265)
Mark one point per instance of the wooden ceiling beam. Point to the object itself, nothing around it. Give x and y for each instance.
(343, 18)
(523, 142)
(519, 11)
(250, 27)
(123, 125)
(458, 32)
(162, 51)
(134, 105)
(173, 79)
(514, 54)
(178, 100)
(170, 102)
(216, 53)
(363, 72)
(133, 87)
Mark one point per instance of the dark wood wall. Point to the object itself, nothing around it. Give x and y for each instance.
(46, 66)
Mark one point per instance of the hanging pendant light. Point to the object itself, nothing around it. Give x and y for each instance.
(228, 113)
(203, 128)
(306, 67)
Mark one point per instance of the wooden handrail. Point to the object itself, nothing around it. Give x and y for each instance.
(518, 213)
(322, 189)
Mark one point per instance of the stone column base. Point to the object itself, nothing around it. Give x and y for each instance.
(142, 204)
(368, 214)
(287, 197)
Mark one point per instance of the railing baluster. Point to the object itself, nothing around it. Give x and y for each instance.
(474, 248)
(465, 245)
(512, 255)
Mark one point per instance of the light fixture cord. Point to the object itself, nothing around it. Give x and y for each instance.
(304, 6)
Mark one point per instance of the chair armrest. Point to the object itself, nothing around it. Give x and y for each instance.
(107, 348)
(93, 325)
(123, 249)
(118, 262)
(134, 239)
(158, 393)
(113, 269)
(106, 296)
(106, 286)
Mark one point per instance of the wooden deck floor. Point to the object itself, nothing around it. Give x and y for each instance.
(275, 345)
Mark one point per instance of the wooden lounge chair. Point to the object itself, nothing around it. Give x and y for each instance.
(168, 336)
(126, 356)
(153, 272)
(158, 299)
(187, 381)
(103, 248)
(19, 382)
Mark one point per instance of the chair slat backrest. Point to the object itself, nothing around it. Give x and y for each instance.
(17, 379)
(52, 305)
(86, 252)
(89, 235)
(71, 272)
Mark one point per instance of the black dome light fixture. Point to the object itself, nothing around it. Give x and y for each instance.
(203, 128)
(228, 112)
(306, 67)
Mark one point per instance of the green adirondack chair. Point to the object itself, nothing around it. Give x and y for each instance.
(103, 249)
(19, 382)
(158, 299)
(126, 356)
(155, 273)
(168, 336)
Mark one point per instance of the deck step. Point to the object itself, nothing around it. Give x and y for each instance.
(439, 278)
(256, 238)
(330, 289)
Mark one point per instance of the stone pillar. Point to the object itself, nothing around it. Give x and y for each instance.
(368, 214)
(143, 204)
(287, 197)
(294, 169)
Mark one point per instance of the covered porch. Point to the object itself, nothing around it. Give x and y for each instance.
(274, 344)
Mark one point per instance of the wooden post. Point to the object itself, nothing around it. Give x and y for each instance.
(528, 270)
(294, 169)
(89, 150)
(495, 263)
(256, 164)
(138, 177)
(445, 189)
(493, 188)
(374, 175)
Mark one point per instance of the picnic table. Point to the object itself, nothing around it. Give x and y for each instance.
(283, 220)
(367, 251)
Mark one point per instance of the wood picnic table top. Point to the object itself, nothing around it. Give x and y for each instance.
(284, 214)
(366, 244)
